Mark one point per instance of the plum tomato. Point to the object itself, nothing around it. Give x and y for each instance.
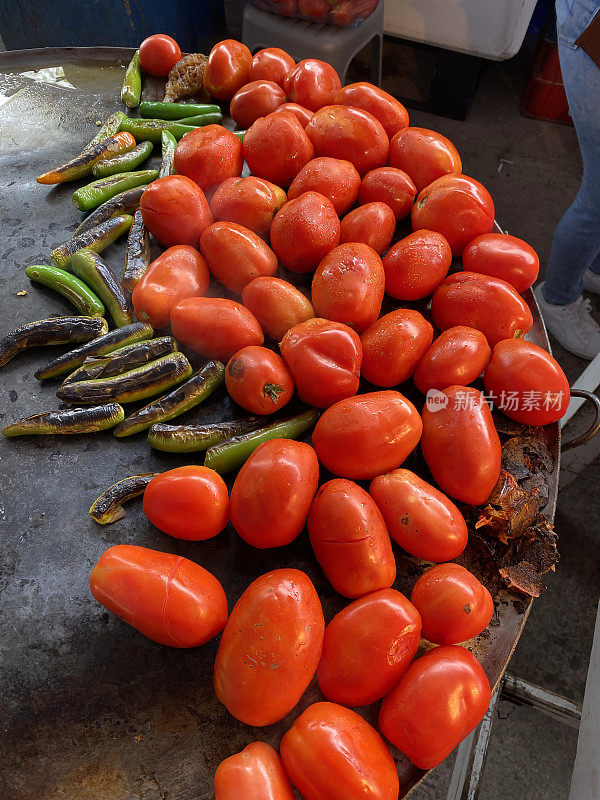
(277, 305)
(227, 69)
(188, 503)
(168, 598)
(208, 156)
(273, 491)
(271, 64)
(373, 224)
(259, 380)
(270, 648)
(276, 148)
(334, 178)
(393, 345)
(255, 772)
(255, 99)
(349, 12)
(175, 211)
(416, 265)
(324, 358)
(251, 202)
(303, 115)
(425, 155)
(312, 83)
(503, 256)
(364, 436)
(317, 10)
(456, 358)
(158, 54)
(368, 647)
(304, 231)
(388, 185)
(236, 255)
(385, 108)
(421, 519)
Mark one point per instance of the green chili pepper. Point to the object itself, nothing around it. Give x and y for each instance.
(92, 269)
(211, 118)
(110, 127)
(124, 203)
(72, 420)
(231, 454)
(137, 255)
(57, 330)
(132, 83)
(137, 384)
(123, 163)
(96, 239)
(109, 506)
(123, 359)
(150, 129)
(91, 196)
(194, 438)
(81, 165)
(169, 143)
(84, 300)
(177, 111)
(239, 134)
(183, 398)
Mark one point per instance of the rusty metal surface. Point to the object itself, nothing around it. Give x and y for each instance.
(92, 709)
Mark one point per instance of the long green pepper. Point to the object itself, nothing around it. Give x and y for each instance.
(110, 127)
(96, 239)
(131, 90)
(96, 273)
(169, 143)
(123, 163)
(150, 130)
(94, 194)
(176, 111)
(69, 286)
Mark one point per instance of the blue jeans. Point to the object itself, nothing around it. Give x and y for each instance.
(576, 244)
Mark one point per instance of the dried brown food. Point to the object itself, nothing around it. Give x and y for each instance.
(185, 79)
(529, 558)
(509, 509)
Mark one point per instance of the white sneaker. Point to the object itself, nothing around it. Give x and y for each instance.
(571, 325)
(591, 281)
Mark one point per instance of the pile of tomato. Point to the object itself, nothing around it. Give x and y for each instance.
(333, 171)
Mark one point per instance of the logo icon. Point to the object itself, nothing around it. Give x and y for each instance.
(436, 400)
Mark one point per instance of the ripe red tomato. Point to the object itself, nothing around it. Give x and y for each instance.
(255, 99)
(175, 211)
(312, 83)
(526, 383)
(456, 358)
(317, 10)
(168, 598)
(420, 714)
(364, 436)
(454, 605)
(188, 503)
(422, 520)
(236, 255)
(348, 285)
(276, 147)
(425, 155)
(458, 207)
(358, 764)
(159, 54)
(416, 265)
(255, 772)
(334, 178)
(208, 156)
(373, 224)
(277, 305)
(273, 492)
(251, 202)
(502, 256)
(227, 69)
(259, 380)
(271, 64)
(304, 231)
(385, 108)
(367, 647)
(303, 115)
(460, 444)
(490, 305)
(393, 345)
(270, 648)
(214, 327)
(177, 273)
(325, 360)
(349, 133)
(391, 186)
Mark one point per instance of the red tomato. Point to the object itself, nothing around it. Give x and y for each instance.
(277, 305)
(251, 202)
(502, 256)
(312, 83)
(364, 436)
(317, 10)
(458, 207)
(273, 492)
(276, 148)
(347, 12)
(227, 69)
(304, 231)
(188, 503)
(270, 648)
(214, 327)
(335, 179)
(175, 211)
(259, 380)
(393, 345)
(456, 358)
(332, 753)
(208, 156)
(425, 155)
(385, 108)
(271, 64)
(254, 773)
(349, 133)
(166, 597)
(453, 604)
(391, 186)
(526, 383)
(236, 255)
(490, 305)
(254, 100)
(422, 520)
(159, 54)
(178, 273)
(348, 285)
(373, 224)
(303, 115)
(284, 8)
(325, 360)
(367, 647)
(420, 716)
(416, 265)
(460, 444)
